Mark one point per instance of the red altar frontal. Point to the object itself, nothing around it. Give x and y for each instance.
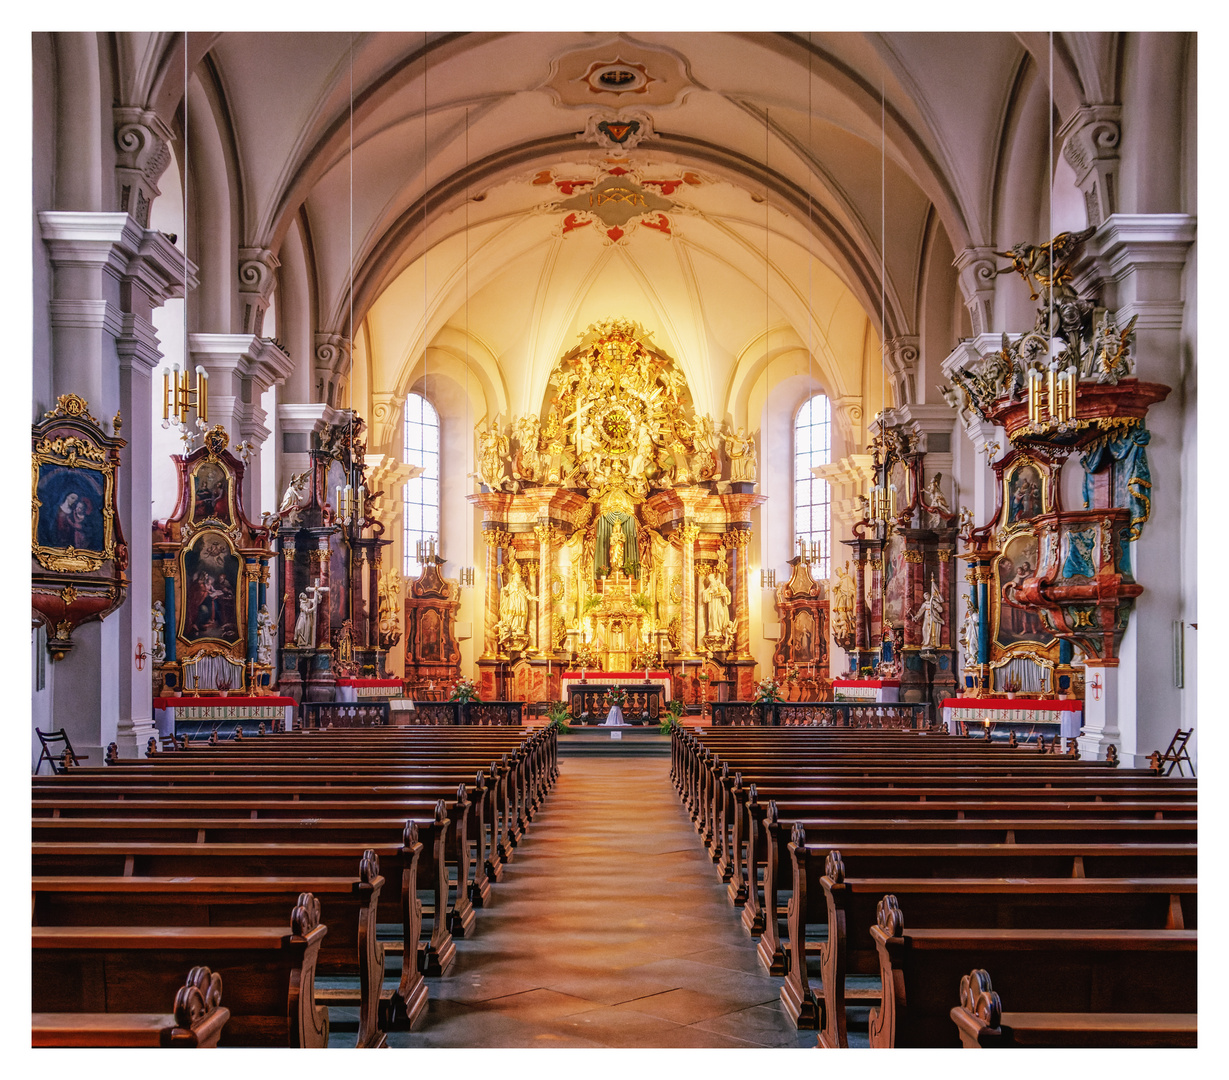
(1067, 716)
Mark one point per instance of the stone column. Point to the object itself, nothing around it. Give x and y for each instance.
(947, 636)
(914, 588)
(241, 368)
(290, 610)
(1102, 703)
(875, 628)
(297, 423)
(332, 362)
(1140, 261)
(687, 643)
(737, 541)
(109, 275)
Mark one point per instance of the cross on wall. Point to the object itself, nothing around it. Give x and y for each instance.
(1096, 687)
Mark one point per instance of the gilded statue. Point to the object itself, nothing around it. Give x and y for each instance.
(1110, 357)
(527, 461)
(740, 452)
(514, 600)
(716, 599)
(493, 450)
(1046, 268)
(842, 606)
(159, 629)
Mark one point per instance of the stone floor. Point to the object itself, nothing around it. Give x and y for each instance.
(609, 929)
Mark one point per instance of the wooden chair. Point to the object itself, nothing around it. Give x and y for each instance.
(1176, 754)
(63, 756)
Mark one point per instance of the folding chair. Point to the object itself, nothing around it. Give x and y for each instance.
(61, 756)
(1176, 754)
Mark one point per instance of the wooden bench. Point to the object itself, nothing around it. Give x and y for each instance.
(981, 1022)
(270, 972)
(349, 905)
(196, 1021)
(846, 907)
(1047, 970)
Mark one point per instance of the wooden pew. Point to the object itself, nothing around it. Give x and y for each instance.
(349, 905)
(270, 973)
(849, 905)
(981, 1022)
(1051, 970)
(196, 1021)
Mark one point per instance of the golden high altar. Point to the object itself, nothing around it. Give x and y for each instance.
(613, 541)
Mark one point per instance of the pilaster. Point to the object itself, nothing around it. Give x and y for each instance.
(902, 357)
(257, 276)
(1090, 139)
(976, 270)
(142, 153)
(332, 361)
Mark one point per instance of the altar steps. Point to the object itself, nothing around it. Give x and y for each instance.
(620, 742)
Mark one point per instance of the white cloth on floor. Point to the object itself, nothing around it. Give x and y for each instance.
(614, 718)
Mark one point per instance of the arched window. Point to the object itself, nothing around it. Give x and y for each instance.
(812, 500)
(422, 494)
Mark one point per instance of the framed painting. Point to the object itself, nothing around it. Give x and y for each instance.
(1026, 492)
(211, 493)
(73, 505)
(213, 602)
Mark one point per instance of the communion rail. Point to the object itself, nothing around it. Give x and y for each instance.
(915, 716)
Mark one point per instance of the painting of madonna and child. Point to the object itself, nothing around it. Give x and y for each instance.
(70, 514)
(1017, 564)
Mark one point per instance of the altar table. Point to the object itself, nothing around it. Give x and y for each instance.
(1068, 716)
(614, 678)
(368, 689)
(878, 690)
(197, 715)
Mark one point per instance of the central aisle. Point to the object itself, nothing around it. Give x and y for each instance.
(609, 929)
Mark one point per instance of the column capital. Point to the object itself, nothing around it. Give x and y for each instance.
(903, 352)
(257, 276)
(847, 412)
(385, 411)
(976, 274)
(142, 153)
(332, 361)
(1090, 139)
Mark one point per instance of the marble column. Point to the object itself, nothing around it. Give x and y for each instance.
(687, 643)
(861, 629)
(1102, 703)
(914, 588)
(737, 540)
(875, 629)
(547, 536)
(290, 608)
(495, 539)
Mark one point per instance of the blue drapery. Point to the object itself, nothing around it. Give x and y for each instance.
(1132, 481)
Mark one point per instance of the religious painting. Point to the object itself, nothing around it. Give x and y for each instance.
(802, 638)
(895, 580)
(1016, 565)
(1025, 493)
(70, 505)
(213, 600)
(210, 493)
(430, 640)
(1078, 546)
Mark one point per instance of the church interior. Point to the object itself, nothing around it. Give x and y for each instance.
(787, 438)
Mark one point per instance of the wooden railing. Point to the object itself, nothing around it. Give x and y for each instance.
(848, 714)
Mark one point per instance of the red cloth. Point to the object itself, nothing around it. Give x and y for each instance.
(1016, 703)
(213, 699)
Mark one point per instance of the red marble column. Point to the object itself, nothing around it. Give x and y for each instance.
(737, 540)
(913, 595)
(687, 645)
(860, 620)
(321, 558)
(946, 639)
(546, 535)
(290, 607)
(494, 538)
(876, 619)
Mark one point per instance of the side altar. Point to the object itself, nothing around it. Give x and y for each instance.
(617, 522)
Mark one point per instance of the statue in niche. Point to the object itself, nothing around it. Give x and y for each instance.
(266, 629)
(930, 614)
(716, 599)
(293, 493)
(740, 452)
(305, 624)
(842, 606)
(969, 631)
(935, 499)
(159, 628)
(616, 516)
(514, 600)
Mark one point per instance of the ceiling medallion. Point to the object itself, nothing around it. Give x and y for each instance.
(617, 77)
(622, 131)
(618, 200)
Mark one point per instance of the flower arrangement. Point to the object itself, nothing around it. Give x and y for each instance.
(463, 690)
(767, 690)
(791, 673)
(616, 696)
(1011, 685)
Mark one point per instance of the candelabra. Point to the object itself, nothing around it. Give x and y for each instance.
(808, 551)
(350, 503)
(1055, 404)
(425, 549)
(179, 396)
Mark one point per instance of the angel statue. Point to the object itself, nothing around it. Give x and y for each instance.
(935, 500)
(1046, 268)
(1110, 357)
(293, 493)
(493, 449)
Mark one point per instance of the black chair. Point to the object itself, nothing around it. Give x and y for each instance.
(62, 757)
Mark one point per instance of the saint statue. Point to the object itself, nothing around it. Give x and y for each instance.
(716, 598)
(740, 452)
(969, 631)
(266, 627)
(514, 600)
(616, 551)
(493, 448)
(305, 625)
(930, 614)
(294, 491)
(842, 605)
(934, 497)
(159, 647)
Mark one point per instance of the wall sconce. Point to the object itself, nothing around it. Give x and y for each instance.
(466, 577)
(768, 579)
(808, 551)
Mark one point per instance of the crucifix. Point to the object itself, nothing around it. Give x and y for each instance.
(1096, 687)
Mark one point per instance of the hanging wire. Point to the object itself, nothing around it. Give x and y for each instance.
(186, 354)
(350, 327)
(1050, 185)
(883, 256)
(469, 514)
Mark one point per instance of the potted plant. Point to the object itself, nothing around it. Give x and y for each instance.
(557, 717)
(1011, 686)
(671, 716)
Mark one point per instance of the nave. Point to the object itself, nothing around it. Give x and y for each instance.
(610, 929)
